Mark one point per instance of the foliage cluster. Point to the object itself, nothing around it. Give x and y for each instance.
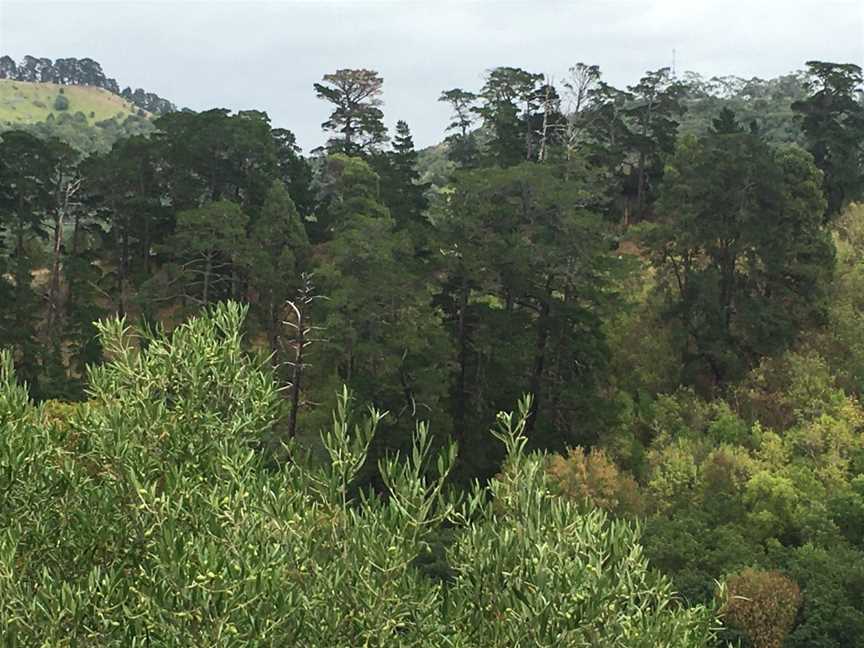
(147, 516)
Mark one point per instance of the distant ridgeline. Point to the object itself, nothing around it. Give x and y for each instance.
(74, 71)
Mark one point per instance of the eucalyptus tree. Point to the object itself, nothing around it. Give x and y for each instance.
(580, 85)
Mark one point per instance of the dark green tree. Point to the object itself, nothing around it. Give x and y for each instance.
(356, 118)
(383, 336)
(208, 245)
(599, 138)
(125, 190)
(527, 270)
(26, 200)
(61, 103)
(294, 171)
(461, 143)
(213, 155)
(832, 118)
(509, 100)
(652, 114)
(278, 253)
(744, 256)
(399, 180)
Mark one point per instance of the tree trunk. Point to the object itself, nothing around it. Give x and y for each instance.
(75, 235)
(273, 323)
(54, 286)
(297, 373)
(208, 269)
(640, 188)
(462, 337)
(541, 155)
(124, 267)
(145, 243)
(540, 344)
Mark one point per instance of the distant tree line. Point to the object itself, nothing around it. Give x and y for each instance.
(75, 71)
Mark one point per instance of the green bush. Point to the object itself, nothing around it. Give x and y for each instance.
(61, 102)
(762, 606)
(149, 516)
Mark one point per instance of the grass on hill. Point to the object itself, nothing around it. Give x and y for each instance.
(22, 102)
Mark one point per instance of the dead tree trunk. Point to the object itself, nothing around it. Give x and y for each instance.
(68, 191)
(302, 338)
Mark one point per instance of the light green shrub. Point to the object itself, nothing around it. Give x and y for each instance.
(151, 517)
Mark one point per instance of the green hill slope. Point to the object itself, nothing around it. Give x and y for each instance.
(25, 103)
(91, 120)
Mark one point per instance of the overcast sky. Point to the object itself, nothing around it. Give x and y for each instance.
(267, 55)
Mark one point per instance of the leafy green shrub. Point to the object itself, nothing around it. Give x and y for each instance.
(721, 497)
(789, 389)
(674, 475)
(842, 341)
(149, 516)
(832, 579)
(61, 102)
(847, 510)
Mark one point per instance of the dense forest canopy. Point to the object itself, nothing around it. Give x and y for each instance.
(671, 271)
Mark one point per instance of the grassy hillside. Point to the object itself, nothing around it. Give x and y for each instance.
(25, 103)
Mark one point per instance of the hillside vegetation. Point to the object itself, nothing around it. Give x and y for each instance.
(22, 102)
(185, 536)
(73, 101)
(695, 408)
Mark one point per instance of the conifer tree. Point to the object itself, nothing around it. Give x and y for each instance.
(278, 253)
(384, 337)
(356, 120)
(208, 245)
(462, 144)
(400, 185)
(832, 118)
(742, 249)
(26, 198)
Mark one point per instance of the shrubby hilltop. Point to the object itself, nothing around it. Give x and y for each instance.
(74, 71)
